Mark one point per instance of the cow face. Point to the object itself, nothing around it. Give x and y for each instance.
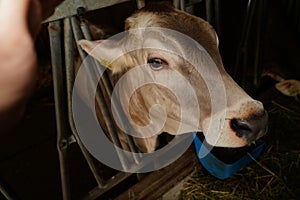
(173, 80)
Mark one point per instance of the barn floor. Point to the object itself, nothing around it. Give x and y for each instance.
(29, 167)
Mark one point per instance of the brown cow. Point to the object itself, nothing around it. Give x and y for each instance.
(242, 119)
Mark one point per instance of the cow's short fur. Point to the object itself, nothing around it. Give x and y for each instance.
(239, 104)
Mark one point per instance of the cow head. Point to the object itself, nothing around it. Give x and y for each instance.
(240, 121)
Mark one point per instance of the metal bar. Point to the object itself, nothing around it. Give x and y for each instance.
(258, 46)
(217, 8)
(68, 7)
(99, 98)
(70, 74)
(209, 11)
(5, 192)
(106, 85)
(243, 45)
(62, 144)
(182, 5)
(125, 123)
(108, 91)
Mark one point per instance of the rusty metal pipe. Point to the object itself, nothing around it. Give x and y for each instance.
(70, 74)
(60, 112)
(100, 100)
(105, 84)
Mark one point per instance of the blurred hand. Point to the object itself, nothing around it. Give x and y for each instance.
(20, 22)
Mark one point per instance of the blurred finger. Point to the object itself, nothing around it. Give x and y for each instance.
(14, 12)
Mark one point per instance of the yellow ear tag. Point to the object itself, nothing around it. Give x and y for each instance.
(105, 63)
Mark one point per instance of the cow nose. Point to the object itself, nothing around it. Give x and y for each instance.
(251, 128)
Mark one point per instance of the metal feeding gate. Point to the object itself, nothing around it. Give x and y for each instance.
(66, 27)
(63, 34)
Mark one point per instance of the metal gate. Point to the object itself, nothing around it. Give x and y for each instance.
(66, 27)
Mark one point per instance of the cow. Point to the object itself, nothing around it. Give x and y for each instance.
(244, 119)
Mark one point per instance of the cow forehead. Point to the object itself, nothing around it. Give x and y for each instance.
(142, 20)
(194, 27)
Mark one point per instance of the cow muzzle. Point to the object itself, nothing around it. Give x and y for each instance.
(251, 128)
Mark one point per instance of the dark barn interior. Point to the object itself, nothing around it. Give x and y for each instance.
(255, 37)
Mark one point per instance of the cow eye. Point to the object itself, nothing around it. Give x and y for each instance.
(156, 63)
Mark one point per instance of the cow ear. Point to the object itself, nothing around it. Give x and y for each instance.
(105, 51)
(289, 87)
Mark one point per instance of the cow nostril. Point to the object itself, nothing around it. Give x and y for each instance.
(250, 128)
(241, 127)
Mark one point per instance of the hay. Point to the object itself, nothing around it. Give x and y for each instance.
(274, 175)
